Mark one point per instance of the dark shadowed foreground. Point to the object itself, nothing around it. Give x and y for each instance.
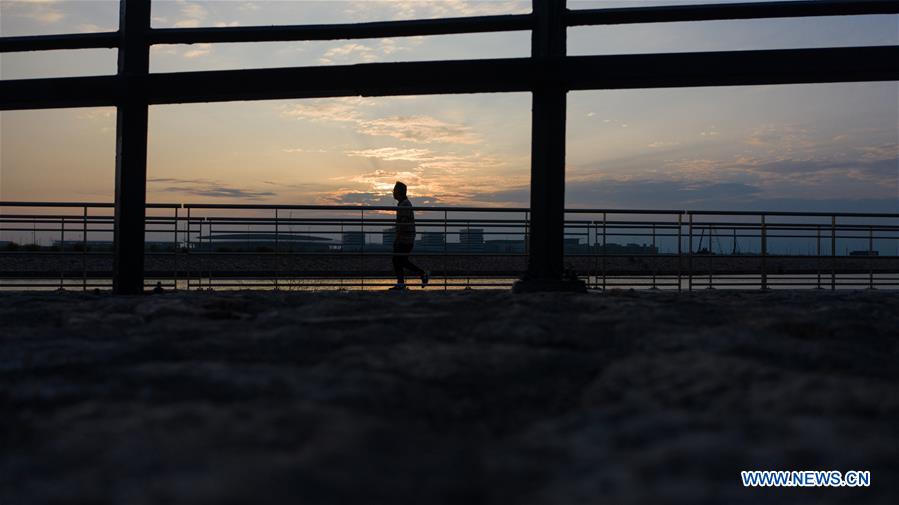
(460, 397)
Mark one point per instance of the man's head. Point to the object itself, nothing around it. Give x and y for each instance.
(399, 191)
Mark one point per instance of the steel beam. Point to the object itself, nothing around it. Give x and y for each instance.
(547, 229)
(712, 12)
(65, 41)
(727, 68)
(59, 92)
(131, 148)
(375, 30)
(370, 79)
(733, 68)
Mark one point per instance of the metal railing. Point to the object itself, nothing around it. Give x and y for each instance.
(192, 246)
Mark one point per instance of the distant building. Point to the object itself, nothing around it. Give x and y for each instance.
(573, 246)
(431, 241)
(387, 236)
(472, 239)
(107, 245)
(352, 241)
(627, 249)
(504, 246)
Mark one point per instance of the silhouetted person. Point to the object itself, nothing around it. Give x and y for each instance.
(404, 239)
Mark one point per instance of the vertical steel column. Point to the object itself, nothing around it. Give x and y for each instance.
(131, 147)
(546, 253)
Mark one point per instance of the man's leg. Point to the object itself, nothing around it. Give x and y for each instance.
(407, 263)
(398, 261)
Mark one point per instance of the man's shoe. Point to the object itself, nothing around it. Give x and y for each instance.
(398, 287)
(425, 277)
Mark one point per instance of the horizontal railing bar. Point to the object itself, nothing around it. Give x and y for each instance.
(101, 40)
(373, 30)
(357, 208)
(348, 208)
(788, 213)
(712, 12)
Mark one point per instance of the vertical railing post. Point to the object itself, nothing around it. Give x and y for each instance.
(445, 240)
(209, 244)
(711, 241)
(818, 255)
(277, 255)
(591, 248)
(62, 252)
(870, 257)
(187, 252)
(833, 252)
(362, 247)
(175, 245)
(605, 250)
(655, 258)
(690, 255)
(764, 232)
(680, 231)
(131, 147)
(84, 250)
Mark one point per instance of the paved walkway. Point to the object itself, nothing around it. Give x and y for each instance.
(459, 397)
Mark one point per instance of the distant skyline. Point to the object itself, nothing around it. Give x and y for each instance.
(812, 147)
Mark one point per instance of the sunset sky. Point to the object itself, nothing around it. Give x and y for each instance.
(799, 147)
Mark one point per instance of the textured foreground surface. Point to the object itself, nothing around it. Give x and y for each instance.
(465, 397)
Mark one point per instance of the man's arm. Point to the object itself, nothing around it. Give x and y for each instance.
(405, 222)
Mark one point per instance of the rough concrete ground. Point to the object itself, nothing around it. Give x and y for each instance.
(459, 397)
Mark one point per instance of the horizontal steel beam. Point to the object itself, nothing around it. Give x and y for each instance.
(711, 12)
(733, 68)
(372, 79)
(59, 92)
(730, 68)
(474, 24)
(376, 30)
(67, 41)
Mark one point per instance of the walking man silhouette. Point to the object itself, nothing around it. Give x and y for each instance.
(404, 239)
